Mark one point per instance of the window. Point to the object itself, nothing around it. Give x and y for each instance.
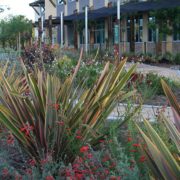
(151, 31)
(128, 30)
(138, 28)
(99, 33)
(60, 1)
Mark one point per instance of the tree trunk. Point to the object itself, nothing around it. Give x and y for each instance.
(158, 43)
(110, 33)
(75, 36)
(132, 40)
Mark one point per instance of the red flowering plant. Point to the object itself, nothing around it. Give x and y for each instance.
(47, 121)
(33, 54)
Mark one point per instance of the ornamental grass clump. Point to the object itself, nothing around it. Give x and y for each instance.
(51, 120)
(163, 164)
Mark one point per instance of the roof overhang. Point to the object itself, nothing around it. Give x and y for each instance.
(127, 8)
(37, 3)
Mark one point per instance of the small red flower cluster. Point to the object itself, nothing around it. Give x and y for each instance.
(5, 172)
(55, 106)
(87, 166)
(18, 177)
(78, 135)
(84, 149)
(44, 161)
(136, 146)
(27, 129)
(32, 162)
(129, 139)
(10, 139)
(142, 159)
(49, 178)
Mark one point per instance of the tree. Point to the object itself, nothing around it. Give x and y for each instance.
(167, 21)
(13, 27)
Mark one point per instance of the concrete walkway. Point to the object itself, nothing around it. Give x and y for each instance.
(148, 112)
(173, 72)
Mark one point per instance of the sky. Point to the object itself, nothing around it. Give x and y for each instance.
(18, 7)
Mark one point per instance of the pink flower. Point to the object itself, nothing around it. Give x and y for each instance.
(79, 176)
(84, 149)
(106, 171)
(49, 178)
(78, 132)
(115, 178)
(76, 166)
(61, 123)
(68, 173)
(113, 164)
(5, 172)
(18, 177)
(44, 161)
(106, 158)
(89, 156)
(32, 162)
(78, 137)
(129, 139)
(142, 159)
(136, 145)
(56, 106)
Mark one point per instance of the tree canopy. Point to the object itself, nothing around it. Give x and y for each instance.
(12, 27)
(166, 20)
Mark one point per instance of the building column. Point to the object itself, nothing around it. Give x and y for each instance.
(78, 40)
(66, 35)
(169, 40)
(124, 33)
(145, 31)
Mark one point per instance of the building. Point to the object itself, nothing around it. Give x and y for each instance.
(45, 10)
(135, 33)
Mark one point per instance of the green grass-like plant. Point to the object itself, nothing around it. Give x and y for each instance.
(163, 164)
(45, 115)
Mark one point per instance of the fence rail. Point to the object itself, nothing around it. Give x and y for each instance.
(140, 47)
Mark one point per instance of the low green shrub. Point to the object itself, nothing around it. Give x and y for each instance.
(65, 66)
(177, 58)
(149, 85)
